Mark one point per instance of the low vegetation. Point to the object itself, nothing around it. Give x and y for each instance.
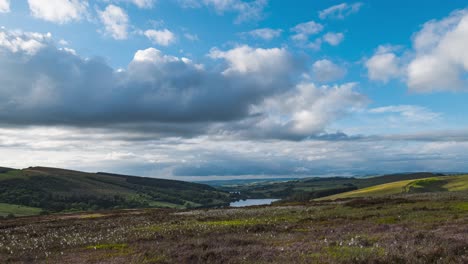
(404, 228)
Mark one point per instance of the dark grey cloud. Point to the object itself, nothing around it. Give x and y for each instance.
(249, 92)
(50, 86)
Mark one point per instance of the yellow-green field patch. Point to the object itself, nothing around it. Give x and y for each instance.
(18, 210)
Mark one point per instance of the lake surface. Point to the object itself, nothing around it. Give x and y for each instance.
(251, 202)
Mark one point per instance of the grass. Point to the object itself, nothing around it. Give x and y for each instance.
(119, 247)
(18, 210)
(459, 184)
(90, 216)
(411, 228)
(433, 184)
(379, 190)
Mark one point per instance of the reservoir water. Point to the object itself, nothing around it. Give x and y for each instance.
(251, 202)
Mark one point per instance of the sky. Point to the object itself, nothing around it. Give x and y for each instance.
(234, 89)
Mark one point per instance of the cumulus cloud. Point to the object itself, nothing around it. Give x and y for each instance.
(247, 10)
(264, 62)
(306, 111)
(340, 11)
(326, 71)
(440, 61)
(265, 33)
(304, 30)
(333, 38)
(156, 92)
(384, 64)
(29, 43)
(164, 94)
(58, 11)
(115, 21)
(162, 37)
(4, 6)
(436, 62)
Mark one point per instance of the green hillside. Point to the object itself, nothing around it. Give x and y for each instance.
(56, 190)
(433, 184)
(18, 210)
(311, 188)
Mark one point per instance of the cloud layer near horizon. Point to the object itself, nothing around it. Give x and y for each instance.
(278, 100)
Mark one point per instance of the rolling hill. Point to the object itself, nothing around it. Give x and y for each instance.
(432, 184)
(311, 188)
(39, 189)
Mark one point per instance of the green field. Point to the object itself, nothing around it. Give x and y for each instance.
(433, 184)
(18, 210)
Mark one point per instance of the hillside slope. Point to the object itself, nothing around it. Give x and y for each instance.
(433, 184)
(61, 190)
(310, 188)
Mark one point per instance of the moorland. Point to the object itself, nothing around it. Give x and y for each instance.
(403, 218)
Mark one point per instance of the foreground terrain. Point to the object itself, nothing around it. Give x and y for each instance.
(404, 228)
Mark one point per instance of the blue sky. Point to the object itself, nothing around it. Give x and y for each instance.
(204, 89)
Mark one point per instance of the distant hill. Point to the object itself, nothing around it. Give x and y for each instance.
(55, 190)
(236, 182)
(311, 188)
(432, 184)
(3, 169)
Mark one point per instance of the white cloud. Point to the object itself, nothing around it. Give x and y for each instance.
(58, 11)
(441, 60)
(205, 158)
(333, 38)
(316, 44)
(247, 10)
(438, 61)
(384, 64)
(304, 30)
(138, 3)
(307, 110)
(245, 59)
(4, 6)
(144, 3)
(340, 11)
(411, 113)
(191, 37)
(27, 42)
(160, 37)
(326, 71)
(154, 56)
(115, 21)
(265, 33)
